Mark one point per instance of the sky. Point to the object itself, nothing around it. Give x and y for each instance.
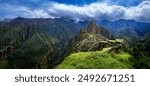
(138, 10)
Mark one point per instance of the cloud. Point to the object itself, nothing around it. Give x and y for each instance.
(139, 13)
(97, 10)
(101, 10)
(10, 11)
(94, 10)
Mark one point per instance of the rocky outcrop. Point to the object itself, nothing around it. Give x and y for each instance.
(12, 44)
(94, 28)
(9, 49)
(26, 32)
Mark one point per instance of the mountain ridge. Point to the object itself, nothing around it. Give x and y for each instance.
(22, 38)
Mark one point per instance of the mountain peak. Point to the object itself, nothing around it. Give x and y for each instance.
(93, 22)
(93, 27)
(96, 29)
(19, 18)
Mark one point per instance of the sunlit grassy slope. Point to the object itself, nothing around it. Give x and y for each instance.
(97, 60)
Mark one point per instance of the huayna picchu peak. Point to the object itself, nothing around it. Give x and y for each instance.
(94, 28)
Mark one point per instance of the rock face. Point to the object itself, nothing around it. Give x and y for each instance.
(16, 33)
(91, 39)
(94, 28)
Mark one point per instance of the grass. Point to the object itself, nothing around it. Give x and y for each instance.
(119, 40)
(97, 60)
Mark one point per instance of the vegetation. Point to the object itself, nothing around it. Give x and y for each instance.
(97, 60)
(141, 56)
(32, 52)
(34, 43)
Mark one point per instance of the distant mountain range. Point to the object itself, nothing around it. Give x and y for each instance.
(115, 26)
(45, 43)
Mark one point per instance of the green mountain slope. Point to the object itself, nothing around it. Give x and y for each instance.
(34, 43)
(141, 53)
(97, 60)
(33, 52)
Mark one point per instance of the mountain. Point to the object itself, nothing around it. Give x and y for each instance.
(127, 29)
(95, 47)
(94, 28)
(129, 35)
(34, 43)
(139, 27)
(141, 52)
(92, 38)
